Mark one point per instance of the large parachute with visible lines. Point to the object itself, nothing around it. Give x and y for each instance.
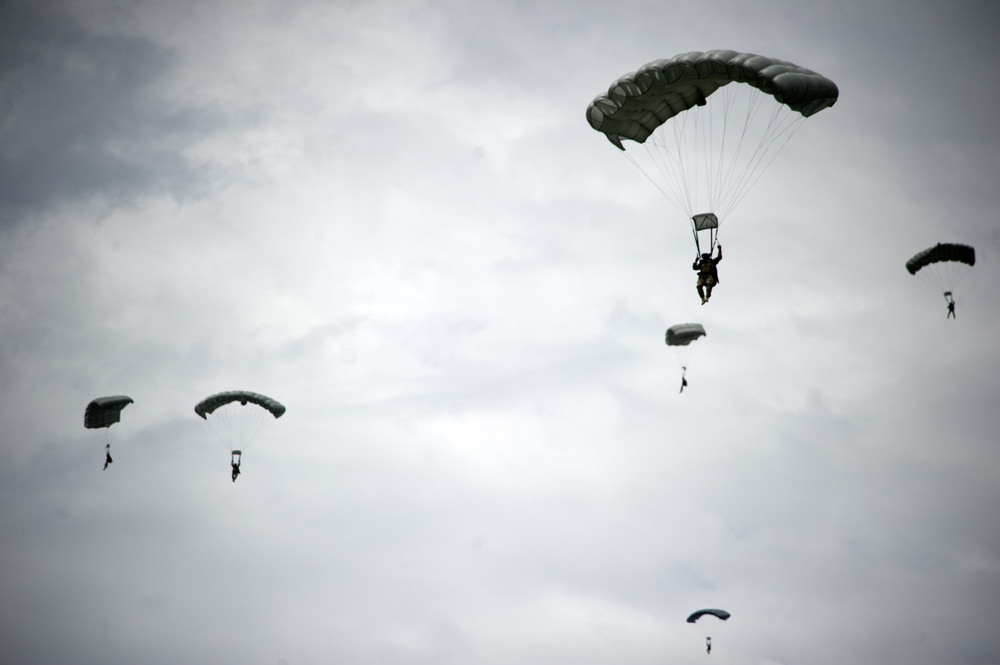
(238, 416)
(710, 122)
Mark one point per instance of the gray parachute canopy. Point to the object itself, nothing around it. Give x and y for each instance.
(639, 102)
(684, 333)
(213, 402)
(105, 411)
(721, 614)
(941, 252)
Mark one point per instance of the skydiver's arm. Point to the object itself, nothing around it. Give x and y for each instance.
(719, 250)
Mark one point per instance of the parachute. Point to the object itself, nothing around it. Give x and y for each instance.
(213, 402)
(719, 614)
(708, 141)
(684, 333)
(943, 266)
(235, 425)
(943, 253)
(105, 411)
(680, 337)
(101, 414)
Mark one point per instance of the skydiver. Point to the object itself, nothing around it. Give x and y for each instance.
(708, 273)
(708, 645)
(951, 305)
(107, 456)
(684, 381)
(235, 462)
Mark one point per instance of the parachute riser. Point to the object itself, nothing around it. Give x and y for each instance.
(708, 224)
(713, 240)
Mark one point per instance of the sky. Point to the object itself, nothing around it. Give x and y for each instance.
(394, 218)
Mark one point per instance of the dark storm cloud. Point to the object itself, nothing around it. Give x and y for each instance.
(80, 117)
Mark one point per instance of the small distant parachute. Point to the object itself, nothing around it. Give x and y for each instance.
(101, 414)
(683, 334)
(105, 411)
(721, 614)
(680, 337)
(943, 266)
(238, 417)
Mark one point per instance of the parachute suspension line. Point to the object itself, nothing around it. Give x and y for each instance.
(729, 101)
(663, 168)
(649, 177)
(237, 429)
(696, 133)
(943, 276)
(738, 143)
(108, 436)
(930, 278)
(954, 274)
(728, 97)
(218, 421)
(780, 127)
(784, 128)
(670, 163)
(670, 160)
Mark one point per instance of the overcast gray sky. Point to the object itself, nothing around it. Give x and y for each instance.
(394, 218)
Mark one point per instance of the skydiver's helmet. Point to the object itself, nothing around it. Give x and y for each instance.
(706, 256)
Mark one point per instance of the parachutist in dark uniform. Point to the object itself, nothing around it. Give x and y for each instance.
(708, 645)
(235, 462)
(951, 305)
(107, 456)
(708, 274)
(684, 380)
